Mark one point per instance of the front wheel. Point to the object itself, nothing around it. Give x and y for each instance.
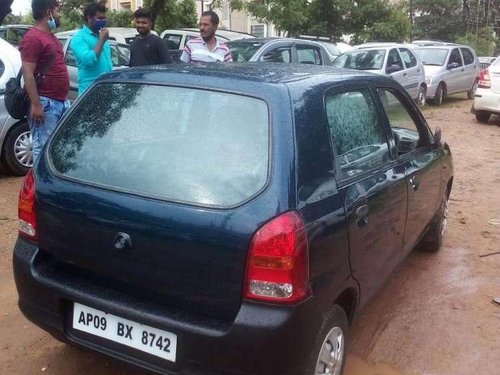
(422, 92)
(434, 237)
(17, 154)
(330, 345)
(438, 99)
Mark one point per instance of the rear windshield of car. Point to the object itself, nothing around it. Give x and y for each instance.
(361, 60)
(188, 145)
(243, 51)
(432, 56)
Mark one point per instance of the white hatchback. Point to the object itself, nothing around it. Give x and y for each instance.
(487, 95)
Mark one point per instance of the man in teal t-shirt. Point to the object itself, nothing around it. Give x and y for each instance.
(91, 48)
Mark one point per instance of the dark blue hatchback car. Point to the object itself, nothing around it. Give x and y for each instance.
(226, 219)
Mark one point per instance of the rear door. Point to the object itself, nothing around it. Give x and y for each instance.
(418, 157)
(70, 61)
(309, 54)
(372, 186)
(470, 68)
(413, 71)
(395, 68)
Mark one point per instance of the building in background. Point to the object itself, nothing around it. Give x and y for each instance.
(229, 20)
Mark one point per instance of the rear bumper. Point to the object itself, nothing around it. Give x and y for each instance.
(262, 339)
(487, 101)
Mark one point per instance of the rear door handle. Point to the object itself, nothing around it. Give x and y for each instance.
(415, 185)
(362, 215)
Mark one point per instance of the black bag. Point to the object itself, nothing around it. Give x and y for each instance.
(16, 99)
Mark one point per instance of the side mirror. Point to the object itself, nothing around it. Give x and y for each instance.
(452, 66)
(437, 137)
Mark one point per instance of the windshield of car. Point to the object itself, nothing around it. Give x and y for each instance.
(432, 56)
(243, 51)
(361, 59)
(186, 145)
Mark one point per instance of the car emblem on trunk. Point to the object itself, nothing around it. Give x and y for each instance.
(122, 240)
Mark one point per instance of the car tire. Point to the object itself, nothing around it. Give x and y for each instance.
(433, 239)
(421, 97)
(329, 351)
(482, 116)
(17, 153)
(472, 91)
(439, 97)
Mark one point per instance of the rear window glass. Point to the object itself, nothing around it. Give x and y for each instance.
(361, 60)
(196, 146)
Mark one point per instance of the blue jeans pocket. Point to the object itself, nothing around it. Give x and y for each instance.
(46, 104)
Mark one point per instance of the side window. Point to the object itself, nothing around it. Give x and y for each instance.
(404, 129)
(280, 54)
(468, 56)
(70, 58)
(173, 41)
(3, 34)
(358, 136)
(308, 55)
(408, 57)
(120, 55)
(394, 62)
(455, 57)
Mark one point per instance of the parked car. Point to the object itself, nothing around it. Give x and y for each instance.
(16, 143)
(177, 38)
(449, 69)
(487, 96)
(331, 47)
(157, 232)
(120, 56)
(13, 33)
(394, 60)
(287, 50)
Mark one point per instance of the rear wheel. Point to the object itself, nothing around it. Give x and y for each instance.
(330, 345)
(472, 91)
(434, 237)
(438, 98)
(482, 116)
(17, 154)
(422, 92)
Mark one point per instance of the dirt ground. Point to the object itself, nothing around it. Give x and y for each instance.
(435, 316)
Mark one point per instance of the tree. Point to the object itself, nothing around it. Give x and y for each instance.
(11, 19)
(172, 13)
(122, 18)
(438, 19)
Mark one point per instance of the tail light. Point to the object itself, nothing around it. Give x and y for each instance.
(278, 261)
(27, 212)
(484, 79)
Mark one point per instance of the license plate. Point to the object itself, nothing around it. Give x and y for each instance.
(127, 332)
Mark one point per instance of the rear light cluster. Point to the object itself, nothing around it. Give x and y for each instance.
(27, 213)
(484, 79)
(278, 261)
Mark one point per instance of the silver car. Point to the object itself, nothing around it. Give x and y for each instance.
(16, 144)
(394, 60)
(449, 69)
(120, 56)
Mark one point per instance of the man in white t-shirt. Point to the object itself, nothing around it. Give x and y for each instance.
(207, 48)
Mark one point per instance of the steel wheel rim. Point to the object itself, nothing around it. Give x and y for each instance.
(331, 354)
(23, 149)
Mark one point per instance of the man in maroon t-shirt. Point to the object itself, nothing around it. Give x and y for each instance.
(45, 75)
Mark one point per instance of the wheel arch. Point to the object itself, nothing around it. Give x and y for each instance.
(348, 301)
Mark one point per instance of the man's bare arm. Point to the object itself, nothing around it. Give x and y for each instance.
(31, 89)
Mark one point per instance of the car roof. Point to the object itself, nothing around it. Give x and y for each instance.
(16, 26)
(226, 34)
(273, 39)
(231, 74)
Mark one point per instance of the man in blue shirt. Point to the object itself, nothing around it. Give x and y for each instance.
(91, 48)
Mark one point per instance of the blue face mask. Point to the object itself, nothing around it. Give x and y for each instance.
(98, 25)
(52, 23)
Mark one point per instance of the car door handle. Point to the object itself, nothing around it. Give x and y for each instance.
(405, 74)
(362, 215)
(415, 185)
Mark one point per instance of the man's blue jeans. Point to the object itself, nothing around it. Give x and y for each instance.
(53, 110)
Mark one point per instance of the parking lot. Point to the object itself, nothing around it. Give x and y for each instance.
(435, 316)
